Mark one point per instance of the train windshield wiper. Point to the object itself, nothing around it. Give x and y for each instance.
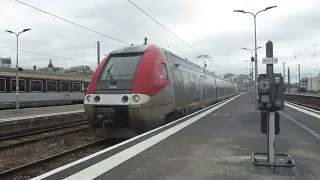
(113, 81)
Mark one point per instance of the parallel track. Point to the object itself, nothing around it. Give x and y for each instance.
(35, 163)
(37, 130)
(40, 138)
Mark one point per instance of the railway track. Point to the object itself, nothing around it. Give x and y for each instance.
(37, 130)
(22, 169)
(304, 105)
(41, 166)
(13, 141)
(30, 160)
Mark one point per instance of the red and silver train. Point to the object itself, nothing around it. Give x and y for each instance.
(139, 88)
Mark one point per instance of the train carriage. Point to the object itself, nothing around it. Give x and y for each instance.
(138, 88)
(40, 89)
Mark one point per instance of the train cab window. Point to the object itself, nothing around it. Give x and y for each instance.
(76, 86)
(52, 86)
(22, 85)
(121, 67)
(36, 85)
(2, 85)
(64, 86)
(164, 71)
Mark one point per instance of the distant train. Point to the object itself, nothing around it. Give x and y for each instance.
(139, 88)
(40, 89)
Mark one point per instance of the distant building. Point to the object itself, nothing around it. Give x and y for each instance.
(5, 62)
(50, 65)
(242, 80)
(304, 82)
(229, 76)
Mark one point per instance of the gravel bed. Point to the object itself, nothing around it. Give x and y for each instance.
(35, 136)
(58, 162)
(28, 153)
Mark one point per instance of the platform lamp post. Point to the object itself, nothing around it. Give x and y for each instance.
(251, 50)
(17, 66)
(255, 48)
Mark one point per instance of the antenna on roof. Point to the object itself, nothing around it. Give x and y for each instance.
(145, 40)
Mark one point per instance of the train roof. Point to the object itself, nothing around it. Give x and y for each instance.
(44, 74)
(143, 48)
(131, 49)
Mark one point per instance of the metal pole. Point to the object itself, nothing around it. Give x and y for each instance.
(311, 83)
(289, 80)
(17, 75)
(299, 77)
(256, 64)
(98, 51)
(17, 65)
(284, 72)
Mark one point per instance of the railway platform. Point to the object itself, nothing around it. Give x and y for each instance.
(11, 120)
(215, 143)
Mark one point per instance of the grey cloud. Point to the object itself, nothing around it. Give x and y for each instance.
(121, 20)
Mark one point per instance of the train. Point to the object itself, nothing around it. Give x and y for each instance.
(38, 89)
(138, 88)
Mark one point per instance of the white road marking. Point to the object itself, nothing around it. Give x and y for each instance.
(303, 126)
(115, 160)
(125, 154)
(309, 109)
(40, 115)
(303, 110)
(49, 107)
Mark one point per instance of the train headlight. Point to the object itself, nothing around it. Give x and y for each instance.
(125, 99)
(136, 98)
(96, 99)
(89, 98)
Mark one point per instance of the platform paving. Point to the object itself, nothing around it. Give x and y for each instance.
(4, 114)
(219, 146)
(214, 145)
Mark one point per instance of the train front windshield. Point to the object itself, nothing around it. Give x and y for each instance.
(120, 67)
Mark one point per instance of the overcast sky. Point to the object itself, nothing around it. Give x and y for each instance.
(210, 27)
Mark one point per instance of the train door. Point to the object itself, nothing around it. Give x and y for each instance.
(166, 93)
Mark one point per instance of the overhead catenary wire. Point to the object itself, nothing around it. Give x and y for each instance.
(301, 53)
(164, 27)
(105, 34)
(73, 23)
(199, 53)
(44, 54)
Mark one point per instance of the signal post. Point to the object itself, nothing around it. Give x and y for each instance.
(270, 101)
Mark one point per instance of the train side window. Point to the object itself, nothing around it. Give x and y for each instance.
(22, 85)
(2, 85)
(52, 86)
(164, 71)
(64, 86)
(36, 85)
(76, 86)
